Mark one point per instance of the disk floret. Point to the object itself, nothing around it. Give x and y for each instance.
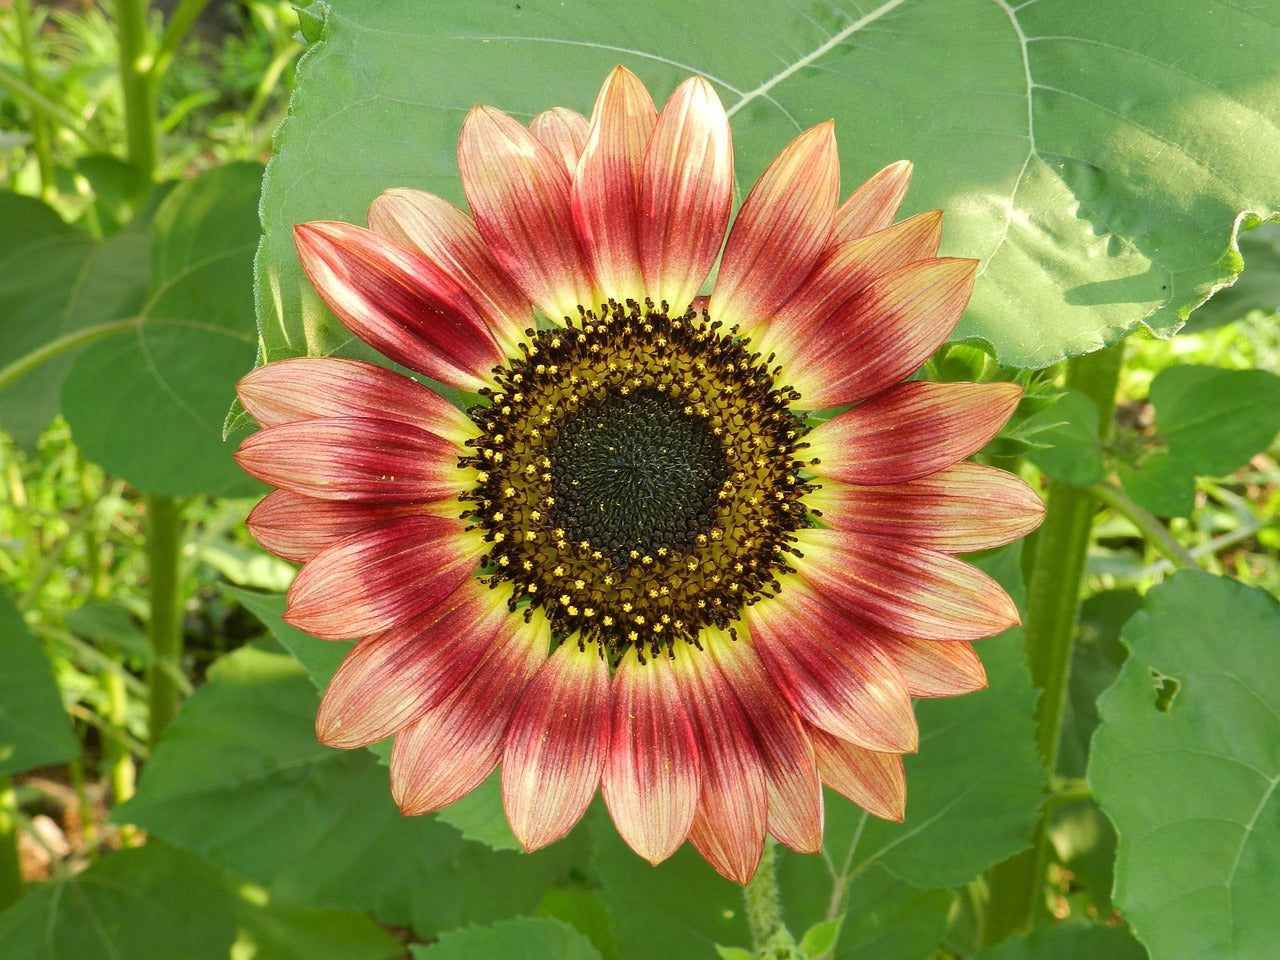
(638, 476)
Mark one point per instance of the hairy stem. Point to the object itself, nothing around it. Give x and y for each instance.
(770, 937)
(1053, 599)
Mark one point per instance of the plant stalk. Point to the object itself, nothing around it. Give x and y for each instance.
(138, 82)
(1152, 530)
(164, 556)
(11, 886)
(1053, 601)
(40, 137)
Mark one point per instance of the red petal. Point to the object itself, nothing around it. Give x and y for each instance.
(733, 807)
(446, 753)
(297, 527)
(911, 431)
(908, 589)
(556, 745)
(786, 220)
(379, 578)
(842, 271)
(686, 191)
(375, 461)
(398, 303)
(964, 508)
(651, 777)
(392, 678)
(874, 781)
(447, 237)
(307, 388)
(934, 669)
(884, 332)
(519, 195)
(834, 678)
(563, 132)
(873, 205)
(606, 187)
(791, 773)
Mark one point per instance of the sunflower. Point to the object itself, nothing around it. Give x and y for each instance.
(637, 561)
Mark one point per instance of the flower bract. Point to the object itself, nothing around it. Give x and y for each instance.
(637, 562)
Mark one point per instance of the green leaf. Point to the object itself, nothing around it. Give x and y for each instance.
(821, 937)
(145, 903)
(148, 404)
(56, 282)
(1258, 287)
(1097, 174)
(1069, 427)
(1162, 483)
(274, 931)
(585, 912)
(1069, 941)
(529, 938)
(1085, 843)
(733, 953)
(240, 778)
(1186, 763)
(1214, 420)
(34, 730)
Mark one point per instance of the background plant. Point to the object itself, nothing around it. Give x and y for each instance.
(1111, 794)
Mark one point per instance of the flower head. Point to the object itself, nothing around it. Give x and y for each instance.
(637, 563)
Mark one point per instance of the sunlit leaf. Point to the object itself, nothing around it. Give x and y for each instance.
(1097, 166)
(1186, 764)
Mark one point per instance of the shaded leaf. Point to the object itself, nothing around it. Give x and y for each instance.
(146, 903)
(530, 938)
(1069, 429)
(1186, 763)
(1069, 941)
(284, 932)
(34, 729)
(148, 404)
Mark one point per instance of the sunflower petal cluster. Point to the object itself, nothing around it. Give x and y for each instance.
(638, 563)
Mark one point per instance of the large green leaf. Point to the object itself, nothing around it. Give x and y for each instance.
(1097, 161)
(530, 938)
(240, 778)
(1069, 941)
(148, 903)
(148, 404)
(58, 282)
(1186, 763)
(276, 931)
(34, 729)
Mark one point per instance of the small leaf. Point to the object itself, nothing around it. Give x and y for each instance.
(585, 912)
(1191, 787)
(733, 953)
(529, 938)
(34, 729)
(1214, 420)
(1069, 430)
(821, 937)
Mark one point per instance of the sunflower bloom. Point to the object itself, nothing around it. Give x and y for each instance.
(635, 564)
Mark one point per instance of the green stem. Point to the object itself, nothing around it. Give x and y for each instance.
(60, 116)
(164, 556)
(138, 82)
(769, 935)
(1152, 530)
(10, 866)
(39, 119)
(175, 31)
(1053, 597)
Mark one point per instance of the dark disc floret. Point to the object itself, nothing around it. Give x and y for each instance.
(637, 476)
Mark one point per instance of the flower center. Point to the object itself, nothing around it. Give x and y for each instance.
(637, 476)
(632, 474)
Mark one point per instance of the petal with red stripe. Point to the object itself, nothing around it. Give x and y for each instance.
(518, 192)
(959, 509)
(556, 745)
(398, 303)
(874, 781)
(834, 678)
(446, 753)
(903, 587)
(651, 778)
(911, 431)
(563, 132)
(297, 527)
(686, 192)
(378, 578)
(873, 205)
(933, 669)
